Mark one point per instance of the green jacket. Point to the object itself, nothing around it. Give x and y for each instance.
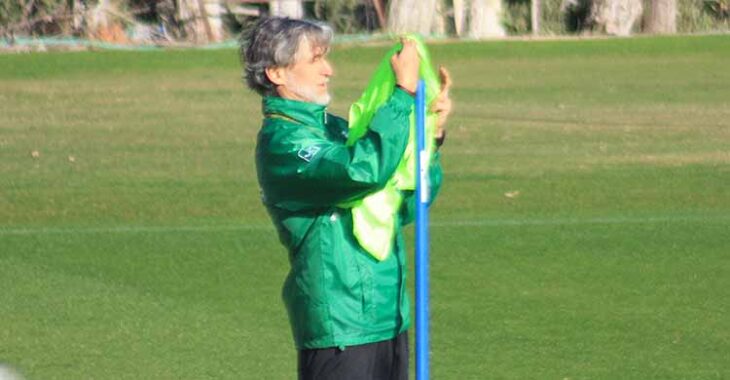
(336, 293)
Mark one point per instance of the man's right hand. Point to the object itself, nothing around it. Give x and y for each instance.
(405, 65)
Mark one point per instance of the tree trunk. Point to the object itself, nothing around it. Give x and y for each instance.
(286, 8)
(190, 17)
(381, 14)
(485, 19)
(411, 16)
(459, 17)
(27, 10)
(661, 17)
(214, 11)
(79, 8)
(439, 19)
(615, 17)
(535, 17)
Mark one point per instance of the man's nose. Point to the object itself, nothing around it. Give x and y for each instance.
(327, 69)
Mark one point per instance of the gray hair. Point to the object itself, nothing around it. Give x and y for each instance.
(273, 42)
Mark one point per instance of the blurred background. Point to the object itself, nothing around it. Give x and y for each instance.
(171, 22)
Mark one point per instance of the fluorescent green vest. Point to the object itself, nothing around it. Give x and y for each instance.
(374, 217)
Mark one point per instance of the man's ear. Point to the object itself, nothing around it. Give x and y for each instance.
(276, 75)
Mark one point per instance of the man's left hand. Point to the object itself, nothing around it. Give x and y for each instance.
(442, 104)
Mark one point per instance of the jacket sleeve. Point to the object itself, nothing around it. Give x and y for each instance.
(301, 168)
(435, 176)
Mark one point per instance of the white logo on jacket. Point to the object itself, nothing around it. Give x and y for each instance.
(307, 153)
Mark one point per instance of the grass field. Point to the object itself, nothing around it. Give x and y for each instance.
(133, 244)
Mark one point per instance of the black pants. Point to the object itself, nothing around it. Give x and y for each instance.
(387, 360)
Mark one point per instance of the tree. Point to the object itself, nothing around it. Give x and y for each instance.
(661, 17)
(616, 17)
(485, 19)
(459, 17)
(408, 16)
(28, 17)
(286, 8)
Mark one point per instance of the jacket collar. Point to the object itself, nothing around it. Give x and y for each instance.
(301, 112)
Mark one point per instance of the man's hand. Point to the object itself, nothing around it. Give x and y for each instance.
(405, 65)
(442, 104)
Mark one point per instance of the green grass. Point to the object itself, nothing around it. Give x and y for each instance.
(135, 246)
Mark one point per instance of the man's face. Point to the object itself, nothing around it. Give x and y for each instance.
(307, 79)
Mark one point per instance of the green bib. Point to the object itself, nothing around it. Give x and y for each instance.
(374, 217)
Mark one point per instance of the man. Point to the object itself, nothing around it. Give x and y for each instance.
(349, 312)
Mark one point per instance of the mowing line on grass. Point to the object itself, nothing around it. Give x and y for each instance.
(481, 222)
(132, 229)
(579, 221)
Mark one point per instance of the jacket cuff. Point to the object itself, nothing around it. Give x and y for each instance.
(403, 99)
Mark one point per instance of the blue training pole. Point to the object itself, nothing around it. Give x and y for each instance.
(422, 195)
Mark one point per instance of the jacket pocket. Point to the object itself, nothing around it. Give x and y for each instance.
(366, 276)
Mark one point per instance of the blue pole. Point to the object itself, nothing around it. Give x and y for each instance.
(422, 195)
